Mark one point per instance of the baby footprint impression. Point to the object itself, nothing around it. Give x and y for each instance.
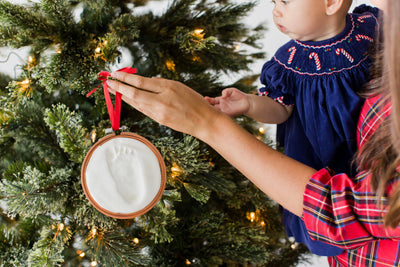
(127, 173)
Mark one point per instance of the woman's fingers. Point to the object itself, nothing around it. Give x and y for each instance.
(140, 82)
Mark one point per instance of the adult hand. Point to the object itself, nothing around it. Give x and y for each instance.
(168, 102)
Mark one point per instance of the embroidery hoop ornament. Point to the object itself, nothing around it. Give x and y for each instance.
(105, 162)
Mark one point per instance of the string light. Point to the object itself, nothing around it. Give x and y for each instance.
(170, 65)
(98, 50)
(176, 170)
(58, 49)
(24, 87)
(199, 33)
(196, 58)
(25, 83)
(136, 240)
(212, 164)
(30, 59)
(93, 263)
(252, 216)
(92, 234)
(188, 262)
(261, 130)
(93, 136)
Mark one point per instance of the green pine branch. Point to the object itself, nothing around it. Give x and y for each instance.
(72, 137)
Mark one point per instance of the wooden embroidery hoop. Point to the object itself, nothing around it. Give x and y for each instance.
(148, 206)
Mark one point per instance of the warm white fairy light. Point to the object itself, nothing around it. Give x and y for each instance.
(136, 240)
(252, 216)
(25, 82)
(188, 262)
(93, 136)
(170, 64)
(30, 59)
(176, 170)
(98, 50)
(93, 263)
(261, 130)
(83, 254)
(199, 32)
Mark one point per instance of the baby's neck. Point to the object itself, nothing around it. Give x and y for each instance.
(333, 28)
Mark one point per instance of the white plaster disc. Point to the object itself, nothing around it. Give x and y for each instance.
(123, 176)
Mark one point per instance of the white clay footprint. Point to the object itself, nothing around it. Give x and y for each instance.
(127, 173)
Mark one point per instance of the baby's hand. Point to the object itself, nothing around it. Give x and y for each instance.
(232, 102)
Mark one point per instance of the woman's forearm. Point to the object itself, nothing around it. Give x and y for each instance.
(280, 177)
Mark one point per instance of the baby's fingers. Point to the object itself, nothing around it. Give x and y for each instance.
(212, 100)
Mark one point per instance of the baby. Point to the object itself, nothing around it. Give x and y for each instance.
(311, 87)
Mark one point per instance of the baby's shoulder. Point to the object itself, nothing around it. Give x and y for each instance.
(363, 9)
(366, 21)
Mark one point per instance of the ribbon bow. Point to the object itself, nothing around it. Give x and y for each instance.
(114, 113)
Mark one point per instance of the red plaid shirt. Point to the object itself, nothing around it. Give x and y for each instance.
(343, 210)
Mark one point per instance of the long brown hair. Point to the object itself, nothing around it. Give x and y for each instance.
(381, 154)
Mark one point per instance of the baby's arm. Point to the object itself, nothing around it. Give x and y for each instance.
(265, 109)
(234, 102)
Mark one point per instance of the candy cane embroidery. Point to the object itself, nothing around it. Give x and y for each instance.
(292, 51)
(279, 99)
(344, 52)
(360, 37)
(316, 58)
(361, 18)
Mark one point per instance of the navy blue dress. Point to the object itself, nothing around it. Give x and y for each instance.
(321, 80)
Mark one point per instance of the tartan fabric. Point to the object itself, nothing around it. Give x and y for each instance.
(343, 211)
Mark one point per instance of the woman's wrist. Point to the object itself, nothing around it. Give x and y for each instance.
(212, 126)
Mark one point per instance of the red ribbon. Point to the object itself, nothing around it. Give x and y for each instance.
(114, 113)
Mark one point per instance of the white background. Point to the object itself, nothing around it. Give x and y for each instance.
(272, 41)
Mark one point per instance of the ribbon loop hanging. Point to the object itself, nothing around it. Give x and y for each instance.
(113, 112)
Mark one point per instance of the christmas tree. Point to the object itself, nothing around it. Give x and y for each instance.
(209, 214)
